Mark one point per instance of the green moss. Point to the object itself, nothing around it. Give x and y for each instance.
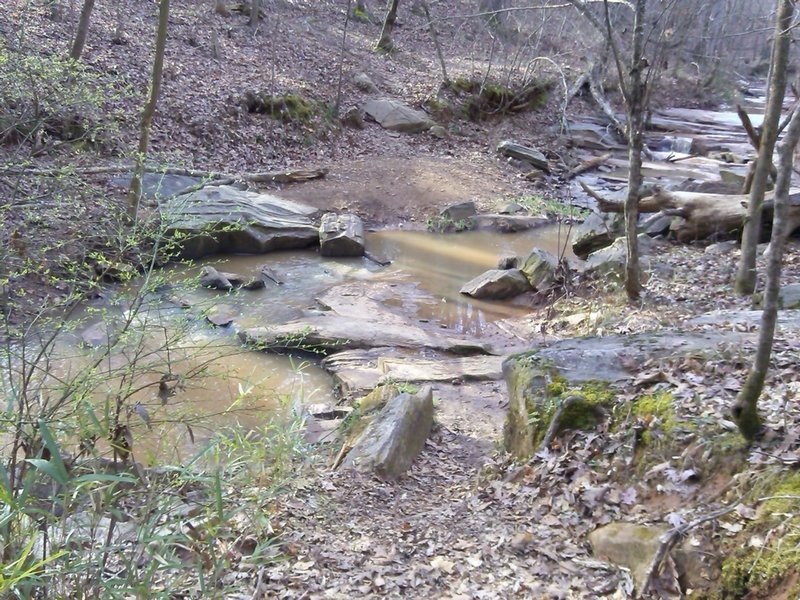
(359, 14)
(288, 108)
(486, 99)
(586, 412)
(657, 412)
(758, 569)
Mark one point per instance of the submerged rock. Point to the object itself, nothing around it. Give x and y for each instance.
(334, 333)
(394, 115)
(497, 284)
(224, 219)
(211, 278)
(341, 235)
(395, 437)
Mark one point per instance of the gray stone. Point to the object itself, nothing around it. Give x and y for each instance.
(721, 248)
(788, 298)
(461, 211)
(394, 115)
(727, 319)
(211, 278)
(508, 262)
(242, 282)
(530, 155)
(334, 333)
(497, 284)
(656, 224)
(539, 268)
(156, 186)
(628, 545)
(596, 232)
(223, 219)
(512, 208)
(364, 83)
(341, 235)
(732, 178)
(221, 315)
(395, 437)
(611, 261)
(509, 223)
(97, 335)
(353, 117)
(438, 131)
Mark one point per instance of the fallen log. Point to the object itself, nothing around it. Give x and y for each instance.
(705, 215)
(588, 165)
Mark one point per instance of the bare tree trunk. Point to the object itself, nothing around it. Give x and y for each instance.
(338, 102)
(255, 12)
(745, 408)
(385, 42)
(435, 38)
(746, 275)
(220, 8)
(135, 195)
(83, 30)
(636, 110)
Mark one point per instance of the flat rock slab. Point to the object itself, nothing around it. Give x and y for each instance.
(394, 115)
(603, 358)
(395, 437)
(509, 223)
(224, 219)
(358, 371)
(726, 319)
(157, 186)
(333, 333)
(520, 152)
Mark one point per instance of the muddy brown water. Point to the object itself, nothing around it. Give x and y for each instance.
(226, 386)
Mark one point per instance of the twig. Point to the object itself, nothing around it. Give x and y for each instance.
(555, 422)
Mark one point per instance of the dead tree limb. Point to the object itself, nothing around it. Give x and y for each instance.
(671, 537)
(588, 165)
(605, 106)
(555, 422)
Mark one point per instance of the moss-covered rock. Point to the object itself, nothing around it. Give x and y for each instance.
(289, 108)
(536, 391)
(482, 100)
(766, 556)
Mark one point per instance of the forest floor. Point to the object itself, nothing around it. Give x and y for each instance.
(462, 524)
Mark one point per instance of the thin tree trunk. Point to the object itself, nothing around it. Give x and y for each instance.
(745, 408)
(83, 30)
(255, 12)
(435, 38)
(385, 42)
(746, 275)
(135, 196)
(338, 102)
(636, 106)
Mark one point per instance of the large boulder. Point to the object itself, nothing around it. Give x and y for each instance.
(595, 362)
(539, 268)
(497, 284)
(394, 115)
(224, 219)
(395, 437)
(341, 235)
(596, 232)
(788, 298)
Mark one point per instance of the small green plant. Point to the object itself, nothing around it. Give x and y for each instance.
(482, 99)
(443, 224)
(551, 207)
